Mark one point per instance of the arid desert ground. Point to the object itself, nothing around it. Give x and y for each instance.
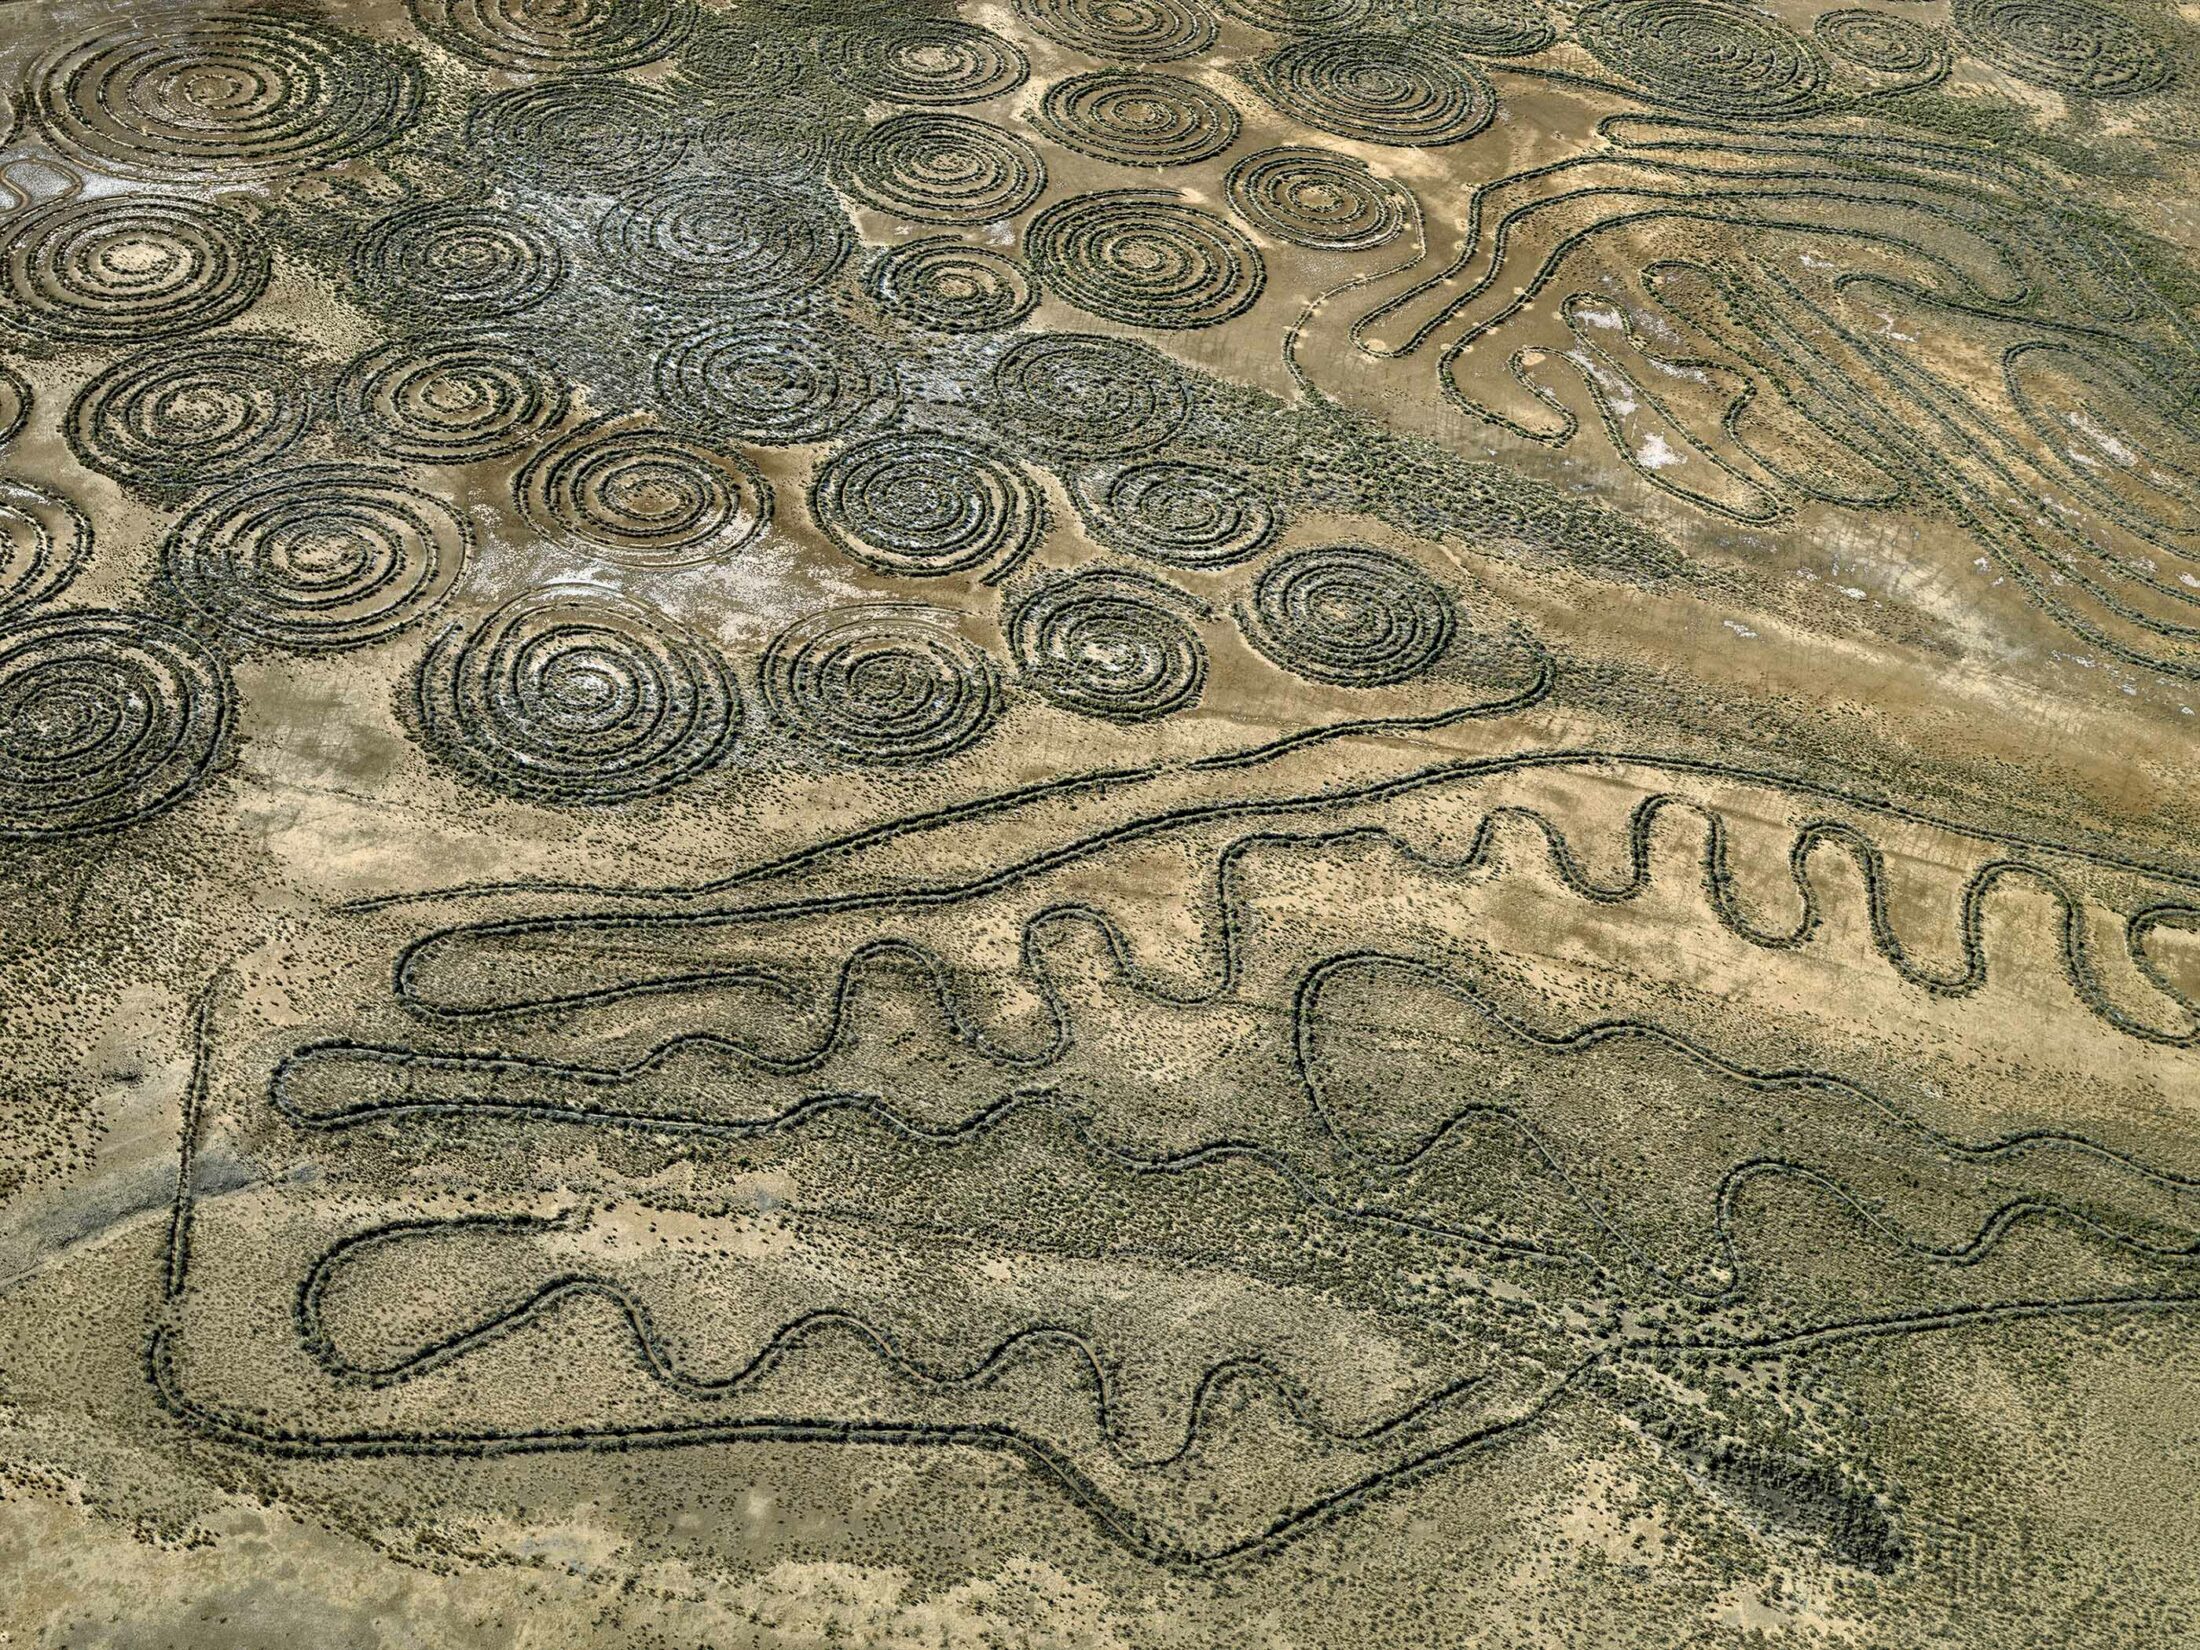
(1324, 824)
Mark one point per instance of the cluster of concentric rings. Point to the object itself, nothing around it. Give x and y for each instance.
(1710, 57)
(923, 60)
(1119, 646)
(1081, 396)
(1348, 614)
(726, 239)
(580, 137)
(948, 286)
(453, 261)
(230, 91)
(2069, 45)
(912, 502)
(1379, 88)
(1134, 31)
(577, 696)
(130, 267)
(1144, 258)
(1137, 119)
(628, 491)
(1179, 512)
(777, 382)
(881, 684)
(106, 718)
(945, 168)
(197, 411)
(555, 36)
(452, 397)
(316, 556)
(1317, 199)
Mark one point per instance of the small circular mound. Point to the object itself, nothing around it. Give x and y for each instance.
(106, 719)
(131, 267)
(190, 413)
(2066, 45)
(1707, 56)
(940, 283)
(580, 137)
(45, 541)
(230, 92)
(1348, 614)
(1137, 119)
(317, 557)
(1119, 646)
(723, 240)
(1078, 395)
(1142, 257)
(452, 397)
(923, 60)
(15, 403)
(783, 383)
(1297, 16)
(1880, 41)
(457, 262)
(1487, 28)
(635, 494)
(921, 504)
(934, 168)
(1379, 89)
(882, 684)
(576, 696)
(1184, 514)
(1317, 199)
(555, 36)
(1135, 31)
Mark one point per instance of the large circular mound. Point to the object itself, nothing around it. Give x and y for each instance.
(1118, 646)
(233, 93)
(942, 168)
(2068, 45)
(317, 557)
(1378, 88)
(946, 285)
(1317, 199)
(106, 718)
(126, 268)
(555, 36)
(641, 496)
(1348, 614)
(1137, 119)
(1144, 258)
(1706, 56)
(577, 696)
(1080, 396)
(191, 413)
(1130, 31)
(916, 503)
(881, 684)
